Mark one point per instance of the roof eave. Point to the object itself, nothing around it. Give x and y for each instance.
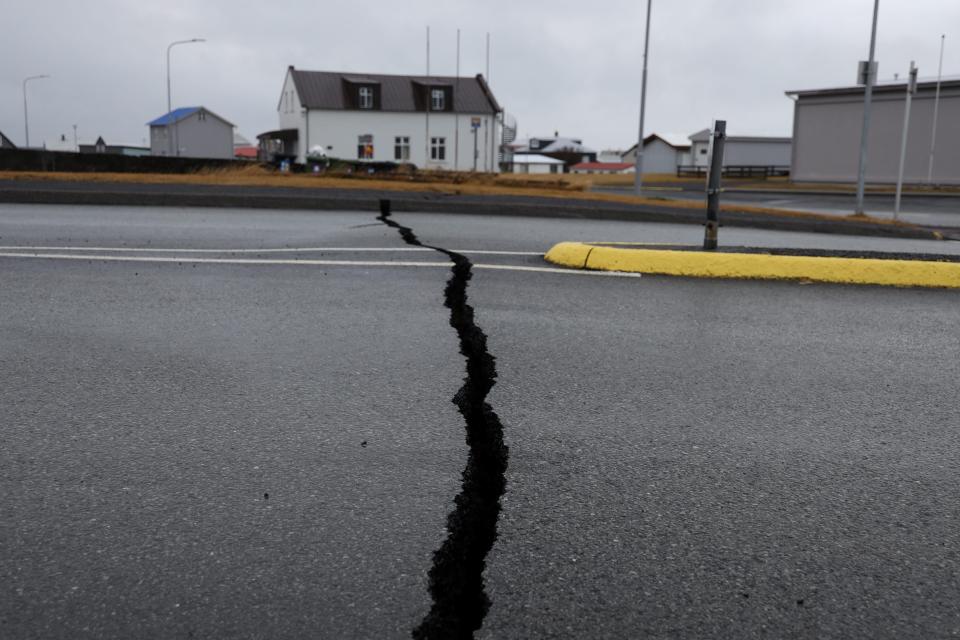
(488, 93)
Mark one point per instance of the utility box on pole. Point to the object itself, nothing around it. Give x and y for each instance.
(713, 185)
(863, 77)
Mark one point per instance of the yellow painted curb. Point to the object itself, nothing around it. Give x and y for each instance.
(696, 264)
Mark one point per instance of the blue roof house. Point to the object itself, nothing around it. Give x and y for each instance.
(191, 132)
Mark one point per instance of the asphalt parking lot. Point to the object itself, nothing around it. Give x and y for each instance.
(933, 210)
(239, 424)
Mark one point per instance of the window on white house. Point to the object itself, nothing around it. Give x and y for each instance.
(438, 148)
(365, 147)
(202, 115)
(437, 98)
(401, 148)
(366, 98)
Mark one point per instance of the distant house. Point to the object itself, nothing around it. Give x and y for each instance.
(661, 153)
(246, 153)
(535, 163)
(60, 143)
(243, 149)
(610, 155)
(191, 132)
(436, 122)
(603, 167)
(570, 150)
(5, 142)
(743, 151)
(114, 149)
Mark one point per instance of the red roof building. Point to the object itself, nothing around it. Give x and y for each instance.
(245, 153)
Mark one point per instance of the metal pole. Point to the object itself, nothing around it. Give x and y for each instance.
(26, 123)
(911, 87)
(867, 97)
(456, 112)
(169, 137)
(169, 108)
(713, 186)
(475, 152)
(429, 98)
(936, 109)
(638, 168)
(486, 127)
(488, 58)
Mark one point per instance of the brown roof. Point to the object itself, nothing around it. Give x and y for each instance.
(326, 90)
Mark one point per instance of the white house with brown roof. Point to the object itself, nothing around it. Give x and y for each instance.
(435, 122)
(661, 153)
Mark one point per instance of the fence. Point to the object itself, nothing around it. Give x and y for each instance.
(43, 160)
(735, 171)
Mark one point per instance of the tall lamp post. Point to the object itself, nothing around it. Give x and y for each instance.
(867, 96)
(936, 109)
(169, 108)
(26, 124)
(638, 168)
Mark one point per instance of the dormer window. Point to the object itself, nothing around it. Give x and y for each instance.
(437, 100)
(366, 98)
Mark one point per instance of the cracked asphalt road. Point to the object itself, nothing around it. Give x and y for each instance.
(269, 450)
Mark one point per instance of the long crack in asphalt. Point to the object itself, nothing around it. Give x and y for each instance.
(456, 578)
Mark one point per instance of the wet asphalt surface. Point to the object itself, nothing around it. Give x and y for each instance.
(942, 211)
(201, 449)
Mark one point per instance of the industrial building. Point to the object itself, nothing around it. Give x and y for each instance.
(827, 125)
(742, 151)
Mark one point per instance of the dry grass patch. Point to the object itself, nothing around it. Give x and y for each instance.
(565, 187)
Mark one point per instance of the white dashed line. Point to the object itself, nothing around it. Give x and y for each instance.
(304, 263)
(478, 252)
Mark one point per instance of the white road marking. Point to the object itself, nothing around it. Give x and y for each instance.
(478, 252)
(260, 261)
(306, 263)
(580, 272)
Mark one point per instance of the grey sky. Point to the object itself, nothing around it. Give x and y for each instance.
(558, 65)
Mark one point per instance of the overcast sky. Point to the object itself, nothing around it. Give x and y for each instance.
(556, 65)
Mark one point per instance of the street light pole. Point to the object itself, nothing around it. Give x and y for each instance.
(26, 123)
(638, 167)
(911, 89)
(169, 108)
(936, 109)
(868, 95)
